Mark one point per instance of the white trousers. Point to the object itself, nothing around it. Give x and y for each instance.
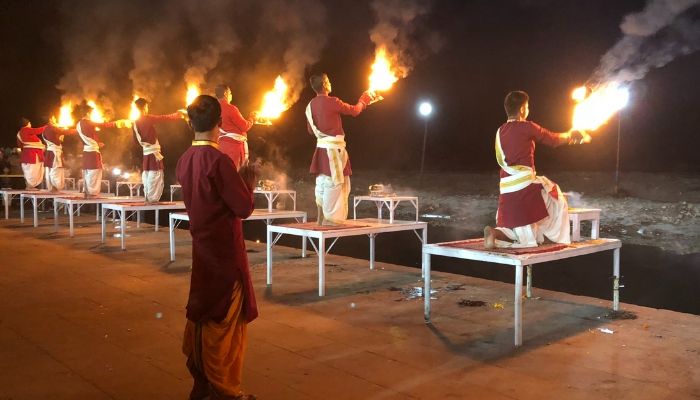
(554, 227)
(333, 199)
(92, 179)
(55, 178)
(152, 185)
(33, 173)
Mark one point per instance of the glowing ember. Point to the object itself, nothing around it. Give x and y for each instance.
(96, 115)
(382, 76)
(579, 93)
(65, 117)
(275, 102)
(192, 93)
(599, 106)
(116, 171)
(134, 112)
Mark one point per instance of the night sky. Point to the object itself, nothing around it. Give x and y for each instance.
(467, 55)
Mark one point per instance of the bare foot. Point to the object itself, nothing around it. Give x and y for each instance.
(489, 237)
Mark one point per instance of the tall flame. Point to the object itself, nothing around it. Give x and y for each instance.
(275, 101)
(382, 77)
(96, 115)
(134, 112)
(192, 93)
(599, 106)
(65, 116)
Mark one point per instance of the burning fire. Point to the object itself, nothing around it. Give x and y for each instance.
(65, 117)
(96, 115)
(596, 108)
(382, 76)
(134, 112)
(192, 93)
(274, 102)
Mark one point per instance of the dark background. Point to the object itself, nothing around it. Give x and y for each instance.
(488, 48)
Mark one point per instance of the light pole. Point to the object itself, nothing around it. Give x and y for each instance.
(424, 109)
(624, 98)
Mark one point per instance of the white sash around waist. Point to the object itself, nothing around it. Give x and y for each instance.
(336, 159)
(148, 148)
(521, 176)
(57, 151)
(89, 144)
(237, 137)
(30, 145)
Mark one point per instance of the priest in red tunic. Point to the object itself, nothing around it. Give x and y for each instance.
(147, 137)
(53, 157)
(531, 208)
(32, 155)
(221, 300)
(330, 163)
(233, 132)
(92, 157)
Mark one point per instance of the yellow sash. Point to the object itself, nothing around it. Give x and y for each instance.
(521, 176)
(335, 148)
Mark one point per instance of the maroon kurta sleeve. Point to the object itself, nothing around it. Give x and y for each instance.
(348, 109)
(545, 136)
(234, 192)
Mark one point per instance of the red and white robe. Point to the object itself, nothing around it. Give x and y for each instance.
(331, 162)
(530, 207)
(53, 157)
(233, 139)
(152, 170)
(32, 156)
(92, 158)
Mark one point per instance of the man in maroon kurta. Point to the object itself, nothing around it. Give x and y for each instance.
(221, 300)
(233, 139)
(330, 163)
(531, 208)
(147, 137)
(32, 156)
(53, 157)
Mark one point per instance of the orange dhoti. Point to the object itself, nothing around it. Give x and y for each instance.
(215, 351)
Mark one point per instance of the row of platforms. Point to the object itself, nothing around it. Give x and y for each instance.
(323, 238)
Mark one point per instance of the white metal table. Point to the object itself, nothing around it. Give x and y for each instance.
(390, 202)
(518, 261)
(272, 195)
(131, 185)
(257, 215)
(38, 198)
(369, 226)
(576, 215)
(173, 188)
(74, 203)
(121, 209)
(8, 195)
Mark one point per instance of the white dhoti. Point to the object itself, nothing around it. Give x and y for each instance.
(92, 179)
(333, 198)
(55, 178)
(152, 185)
(33, 173)
(555, 227)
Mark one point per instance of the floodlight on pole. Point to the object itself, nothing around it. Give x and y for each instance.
(424, 109)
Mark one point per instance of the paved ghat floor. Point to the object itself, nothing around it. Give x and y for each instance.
(81, 320)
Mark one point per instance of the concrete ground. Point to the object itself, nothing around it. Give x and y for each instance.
(82, 320)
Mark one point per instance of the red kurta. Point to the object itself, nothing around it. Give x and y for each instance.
(525, 206)
(28, 135)
(93, 159)
(55, 135)
(232, 121)
(326, 111)
(217, 200)
(147, 129)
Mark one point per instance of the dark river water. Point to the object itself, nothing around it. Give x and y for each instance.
(652, 277)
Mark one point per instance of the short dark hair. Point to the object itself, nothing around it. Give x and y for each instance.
(220, 90)
(23, 122)
(514, 101)
(316, 82)
(81, 110)
(204, 113)
(141, 103)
